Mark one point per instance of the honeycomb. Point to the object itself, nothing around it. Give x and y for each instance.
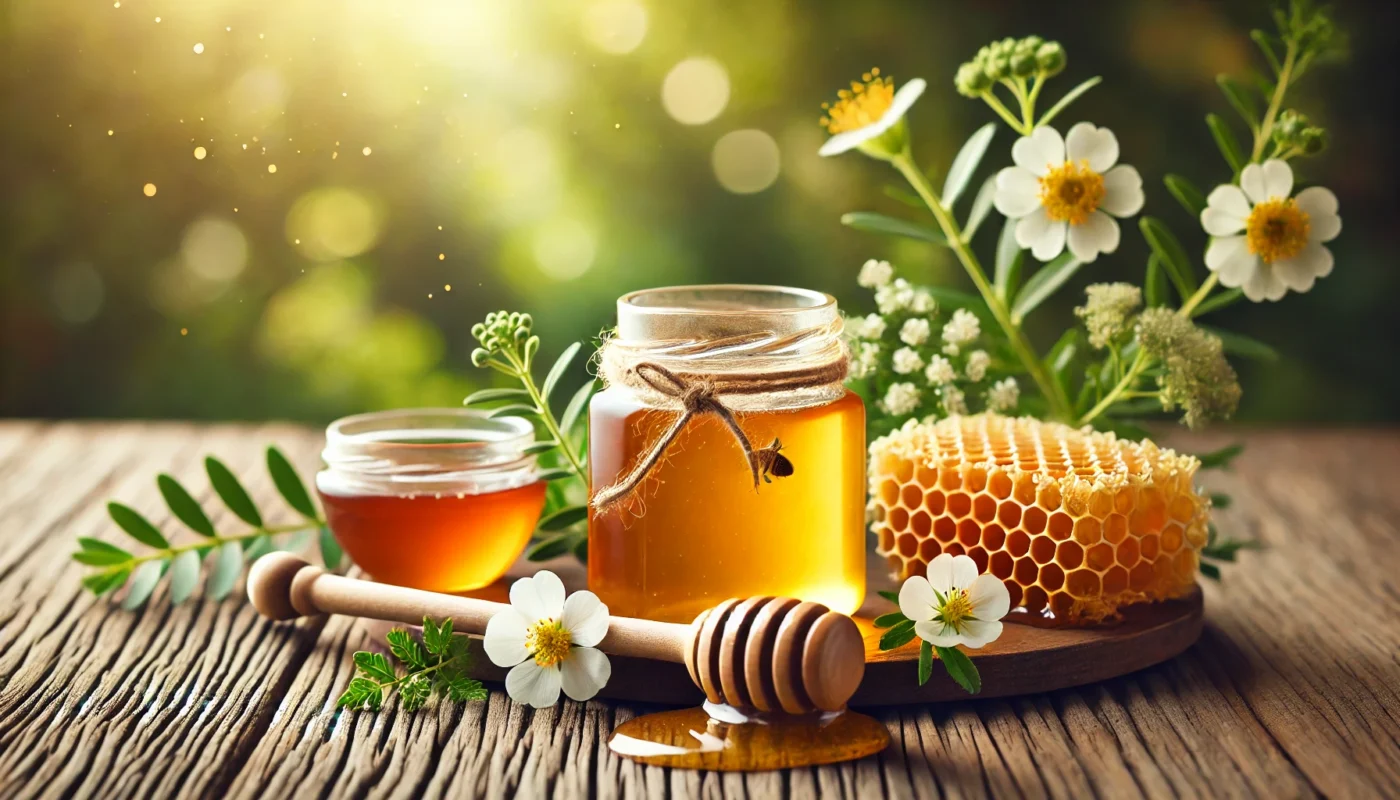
(1077, 524)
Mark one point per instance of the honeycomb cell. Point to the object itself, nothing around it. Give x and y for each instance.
(1075, 523)
(911, 494)
(1042, 550)
(984, 509)
(999, 484)
(1087, 531)
(899, 519)
(993, 538)
(935, 503)
(944, 529)
(1009, 514)
(1069, 554)
(969, 533)
(921, 523)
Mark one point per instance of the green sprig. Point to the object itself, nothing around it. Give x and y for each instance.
(900, 631)
(436, 666)
(508, 345)
(225, 554)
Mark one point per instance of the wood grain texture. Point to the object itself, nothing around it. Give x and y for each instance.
(1293, 689)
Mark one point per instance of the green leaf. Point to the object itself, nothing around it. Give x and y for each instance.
(1008, 263)
(904, 196)
(405, 648)
(1155, 285)
(1223, 300)
(1262, 39)
(228, 565)
(564, 518)
(143, 582)
(460, 689)
(1186, 194)
(965, 163)
(925, 662)
(889, 620)
(257, 547)
(100, 558)
(233, 494)
(872, 222)
(1173, 256)
(99, 546)
(361, 693)
(961, 669)
(898, 636)
(414, 692)
(1220, 500)
(184, 574)
(289, 484)
(1238, 344)
(102, 582)
(557, 371)
(1220, 459)
(555, 474)
(1239, 98)
(576, 405)
(515, 410)
(1070, 97)
(951, 299)
(550, 548)
(437, 639)
(893, 597)
(375, 666)
(1210, 570)
(136, 526)
(540, 447)
(1062, 354)
(1226, 549)
(1225, 140)
(183, 506)
(330, 548)
(489, 395)
(981, 207)
(1042, 284)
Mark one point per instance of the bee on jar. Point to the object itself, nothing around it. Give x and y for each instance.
(771, 461)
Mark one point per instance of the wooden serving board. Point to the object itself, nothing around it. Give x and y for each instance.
(1028, 658)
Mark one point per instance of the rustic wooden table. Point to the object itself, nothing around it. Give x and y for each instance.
(1294, 689)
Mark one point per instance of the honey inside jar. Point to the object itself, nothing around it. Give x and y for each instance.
(696, 531)
(436, 499)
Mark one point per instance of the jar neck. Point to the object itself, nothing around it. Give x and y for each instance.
(432, 450)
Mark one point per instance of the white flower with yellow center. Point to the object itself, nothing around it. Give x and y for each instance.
(954, 605)
(1266, 241)
(1064, 191)
(870, 116)
(548, 642)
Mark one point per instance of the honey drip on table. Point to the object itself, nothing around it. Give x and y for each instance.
(694, 738)
(698, 533)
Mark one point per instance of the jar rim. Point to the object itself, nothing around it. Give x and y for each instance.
(633, 302)
(370, 429)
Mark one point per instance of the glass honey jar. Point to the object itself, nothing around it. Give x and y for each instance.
(727, 458)
(441, 499)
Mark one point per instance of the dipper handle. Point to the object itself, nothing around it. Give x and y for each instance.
(282, 586)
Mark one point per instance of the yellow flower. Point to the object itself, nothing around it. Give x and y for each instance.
(870, 116)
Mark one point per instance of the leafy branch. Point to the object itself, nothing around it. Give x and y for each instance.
(438, 665)
(509, 347)
(899, 631)
(226, 553)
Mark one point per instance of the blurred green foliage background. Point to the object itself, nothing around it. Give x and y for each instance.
(251, 209)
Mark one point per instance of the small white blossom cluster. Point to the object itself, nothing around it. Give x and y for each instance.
(899, 296)
(874, 274)
(960, 331)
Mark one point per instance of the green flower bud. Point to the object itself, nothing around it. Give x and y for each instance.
(479, 357)
(999, 67)
(1031, 43)
(478, 330)
(971, 80)
(1051, 58)
(1314, 141)
(1024, 64)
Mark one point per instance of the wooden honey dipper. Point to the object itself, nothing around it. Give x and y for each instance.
(766, 653)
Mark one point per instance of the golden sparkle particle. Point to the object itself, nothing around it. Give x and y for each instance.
(366, 151)
(271, 167)
(149, 190)
(198, 48)
(442, 256)
(200, 153)
(447, 287)
(184, 331)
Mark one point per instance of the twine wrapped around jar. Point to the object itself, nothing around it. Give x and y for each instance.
(713, 361)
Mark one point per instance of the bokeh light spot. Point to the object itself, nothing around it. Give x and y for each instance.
(366, 151)
(564, 248)
(271, 167)
(149, 190)
(746, 161)
(334, 223)
(200, 153)
(695, 91)
(615, 26)
(198, 48)
(215, 249)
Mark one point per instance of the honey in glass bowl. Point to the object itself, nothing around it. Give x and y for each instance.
(436, 499)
